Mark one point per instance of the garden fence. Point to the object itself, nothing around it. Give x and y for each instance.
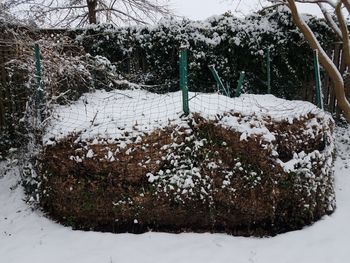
(13, 101)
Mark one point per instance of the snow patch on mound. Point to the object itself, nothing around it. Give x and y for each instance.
(119, 114)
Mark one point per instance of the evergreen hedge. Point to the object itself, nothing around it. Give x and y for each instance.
(149, 54)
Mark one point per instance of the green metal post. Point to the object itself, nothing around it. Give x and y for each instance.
(268, 68)
(218, 80)
(318, 81)
(240, 84)
(228, 88)
(38, 75)
(183, 79)
(94, 79)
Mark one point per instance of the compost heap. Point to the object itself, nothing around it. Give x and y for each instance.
(131, 161)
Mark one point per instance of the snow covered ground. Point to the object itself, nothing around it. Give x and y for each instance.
(27, 236)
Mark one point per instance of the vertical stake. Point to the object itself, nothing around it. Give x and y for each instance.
(240, 84)
(268, 69)
(228, 88)
(183, 79)
(319, 96)
(38, 75)
(218, 80)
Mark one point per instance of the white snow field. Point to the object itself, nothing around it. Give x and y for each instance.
(27, 236)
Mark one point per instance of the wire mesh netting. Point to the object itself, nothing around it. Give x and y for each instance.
(134, 109)
(134, 161)
(120, 156)
(109, 115)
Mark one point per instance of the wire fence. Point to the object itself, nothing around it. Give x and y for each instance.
(126, 157)
(109, 114)
(130, 159)
(120, 114)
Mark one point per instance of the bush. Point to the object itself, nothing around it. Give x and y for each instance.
(149, 54)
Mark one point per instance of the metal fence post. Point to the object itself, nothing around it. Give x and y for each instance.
(240, 84)
(183, 79)
(218, 79)
(268, 68)
(319, 96)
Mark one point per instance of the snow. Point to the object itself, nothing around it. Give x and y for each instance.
(111, 115)
(27, 236)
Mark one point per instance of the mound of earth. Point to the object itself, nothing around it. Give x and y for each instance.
(254, 165)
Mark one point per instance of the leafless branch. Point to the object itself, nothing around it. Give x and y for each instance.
(330, 20)
(67, 13)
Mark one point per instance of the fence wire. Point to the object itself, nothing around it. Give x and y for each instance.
(111, 115)
(141, 109)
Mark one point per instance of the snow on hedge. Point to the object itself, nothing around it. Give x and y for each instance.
(148, 54)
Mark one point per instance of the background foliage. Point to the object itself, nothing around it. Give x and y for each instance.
(149, 54)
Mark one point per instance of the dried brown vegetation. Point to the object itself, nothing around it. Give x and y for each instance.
(203, 177)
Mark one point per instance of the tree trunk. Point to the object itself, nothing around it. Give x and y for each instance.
(345, 33)
(325, 61)
(346, 4)
(92, 4)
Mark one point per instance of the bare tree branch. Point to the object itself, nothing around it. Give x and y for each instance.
(331, 21)
(64, 12)
(345, 33)
(347, 5)
(325, 60)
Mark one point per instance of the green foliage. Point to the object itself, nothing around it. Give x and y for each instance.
(13, 130)
(149, 54)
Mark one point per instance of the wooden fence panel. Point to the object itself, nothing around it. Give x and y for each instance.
(329, 95)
